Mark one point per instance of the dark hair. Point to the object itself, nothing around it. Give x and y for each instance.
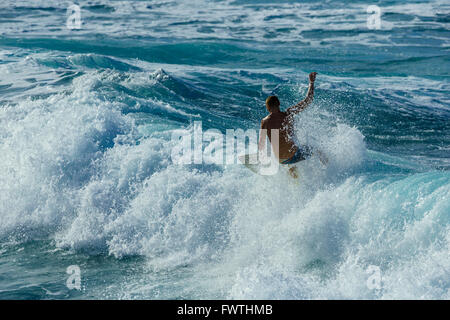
(273, 103)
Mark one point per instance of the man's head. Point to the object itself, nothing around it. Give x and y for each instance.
(273, 104)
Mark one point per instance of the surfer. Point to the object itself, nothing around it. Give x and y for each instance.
(289, 153)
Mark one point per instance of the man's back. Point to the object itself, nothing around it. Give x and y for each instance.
(281, 120)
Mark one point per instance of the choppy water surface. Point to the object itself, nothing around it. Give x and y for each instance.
(86, 119)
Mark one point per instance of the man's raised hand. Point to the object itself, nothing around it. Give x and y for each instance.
(312, 76)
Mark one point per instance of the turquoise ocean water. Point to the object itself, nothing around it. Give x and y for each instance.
(86, 177)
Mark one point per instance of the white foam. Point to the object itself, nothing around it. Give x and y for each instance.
(75, 170)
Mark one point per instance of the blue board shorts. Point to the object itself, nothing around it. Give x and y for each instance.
(302, 153)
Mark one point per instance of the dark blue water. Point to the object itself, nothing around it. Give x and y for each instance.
(87, 116)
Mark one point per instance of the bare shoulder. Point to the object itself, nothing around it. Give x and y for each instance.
(264, 121)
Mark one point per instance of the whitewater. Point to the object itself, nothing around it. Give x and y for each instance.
(87, 179)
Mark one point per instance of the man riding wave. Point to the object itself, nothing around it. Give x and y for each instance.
(288, 152)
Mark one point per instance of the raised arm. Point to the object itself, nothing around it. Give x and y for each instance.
(309, 96)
